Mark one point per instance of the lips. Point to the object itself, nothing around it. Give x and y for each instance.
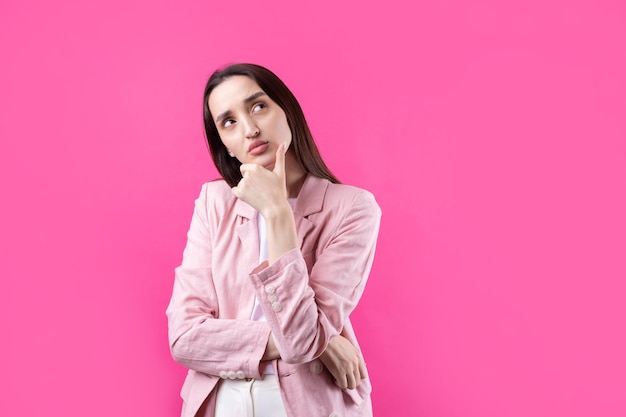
(257, 147)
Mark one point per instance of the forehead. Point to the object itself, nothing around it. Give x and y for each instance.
(231, 93)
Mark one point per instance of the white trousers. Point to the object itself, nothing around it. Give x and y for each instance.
(254, 398)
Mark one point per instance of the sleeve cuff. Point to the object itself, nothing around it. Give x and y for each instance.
(265, 271)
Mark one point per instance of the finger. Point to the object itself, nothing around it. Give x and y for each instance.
(363, 370)
(358, 376)
(243, 168)
(351, 381)
(342, 382)
(279, 165)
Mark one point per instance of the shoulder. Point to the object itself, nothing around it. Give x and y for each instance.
(339, 198)
(217, 189)
(352, 198)
(346, 210)
(349, 192)
(216, 194)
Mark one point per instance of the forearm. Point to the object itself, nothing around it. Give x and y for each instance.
(289, 305)
(281, 231)
(306, 305)
(271, 351)
(213, 345)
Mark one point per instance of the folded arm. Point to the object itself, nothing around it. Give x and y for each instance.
(306, 310)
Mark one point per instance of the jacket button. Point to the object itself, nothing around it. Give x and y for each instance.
(276, 307)
(223, 374)
(316, 367)
(232, 375)
(240, 375)
(270, 289)
(334, 414)
(273, 298)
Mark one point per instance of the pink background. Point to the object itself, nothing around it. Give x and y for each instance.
(492, 133)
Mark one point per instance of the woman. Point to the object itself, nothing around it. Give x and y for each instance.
(277, 257)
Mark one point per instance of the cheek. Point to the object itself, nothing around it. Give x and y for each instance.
(287, 131)
(227, 140)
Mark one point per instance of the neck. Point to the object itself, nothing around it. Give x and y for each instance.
(295, 175)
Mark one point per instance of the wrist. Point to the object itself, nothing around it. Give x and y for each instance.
(277, 211)
(271, 351)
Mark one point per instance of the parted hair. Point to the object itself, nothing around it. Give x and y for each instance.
(302, 141)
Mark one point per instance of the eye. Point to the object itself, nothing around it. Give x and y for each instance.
(258, 107)
(227, 122)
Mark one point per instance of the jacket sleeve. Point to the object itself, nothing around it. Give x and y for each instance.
(198, 339)
(306, 310)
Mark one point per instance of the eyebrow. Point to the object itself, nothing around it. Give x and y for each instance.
(247, 100)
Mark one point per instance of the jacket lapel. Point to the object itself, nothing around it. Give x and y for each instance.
(310, 201)
(248, 234)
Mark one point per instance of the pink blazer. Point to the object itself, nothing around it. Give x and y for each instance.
(307, 296)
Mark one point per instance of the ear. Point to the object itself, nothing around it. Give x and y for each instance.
(232, 155)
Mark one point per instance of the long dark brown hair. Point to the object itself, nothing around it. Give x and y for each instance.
(302, 141)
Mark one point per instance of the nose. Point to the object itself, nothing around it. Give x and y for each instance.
(251, 128)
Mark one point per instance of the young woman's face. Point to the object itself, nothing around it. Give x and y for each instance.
(250, 124)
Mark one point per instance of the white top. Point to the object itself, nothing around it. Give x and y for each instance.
(257, 311)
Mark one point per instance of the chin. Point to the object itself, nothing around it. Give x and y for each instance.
(266, 161)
